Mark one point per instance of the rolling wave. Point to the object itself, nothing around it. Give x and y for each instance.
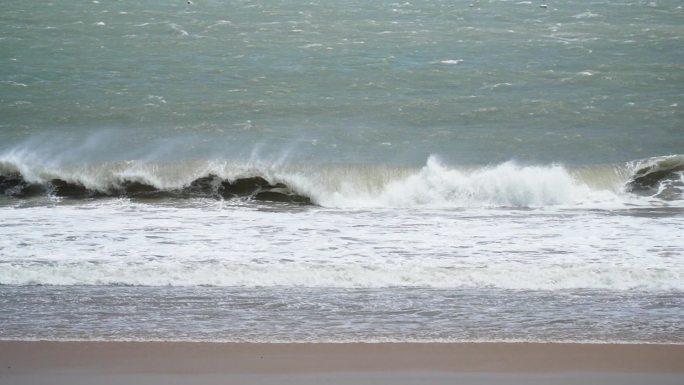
(656, 180)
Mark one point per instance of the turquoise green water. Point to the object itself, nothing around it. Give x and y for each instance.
(361, 81)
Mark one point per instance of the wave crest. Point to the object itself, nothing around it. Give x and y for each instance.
(662, 178)
(656, 180)
(507, 185)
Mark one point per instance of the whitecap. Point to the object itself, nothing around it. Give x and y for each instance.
(312, 45)
(13, 83)
(586, 15)
(219, 23)
(179, 29)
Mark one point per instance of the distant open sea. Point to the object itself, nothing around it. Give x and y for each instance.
(308, 171)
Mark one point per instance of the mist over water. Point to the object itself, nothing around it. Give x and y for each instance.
(342, 171)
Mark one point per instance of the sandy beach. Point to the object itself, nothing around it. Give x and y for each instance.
(347, 363)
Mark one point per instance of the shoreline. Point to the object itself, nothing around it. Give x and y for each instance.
(151, 363)
(340, 342)
(239, 357)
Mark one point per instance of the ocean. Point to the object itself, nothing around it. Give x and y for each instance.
(336, 171)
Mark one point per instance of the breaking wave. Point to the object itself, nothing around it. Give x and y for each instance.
(650, 181)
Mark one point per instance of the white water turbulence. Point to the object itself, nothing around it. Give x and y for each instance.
(216, 243)
(227, 223)
(504, 185)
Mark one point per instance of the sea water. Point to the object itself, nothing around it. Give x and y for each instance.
(342, 171)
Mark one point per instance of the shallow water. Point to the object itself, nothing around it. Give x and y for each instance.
(287, 314)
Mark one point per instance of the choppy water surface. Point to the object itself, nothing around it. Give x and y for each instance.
(369, 81)
(342, 171)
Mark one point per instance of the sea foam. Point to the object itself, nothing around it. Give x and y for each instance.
(118, 242)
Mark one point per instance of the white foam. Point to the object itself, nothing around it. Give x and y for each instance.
(211, 243)
(227, 274)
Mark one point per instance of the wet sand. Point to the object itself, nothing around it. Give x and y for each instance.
(24, 362)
